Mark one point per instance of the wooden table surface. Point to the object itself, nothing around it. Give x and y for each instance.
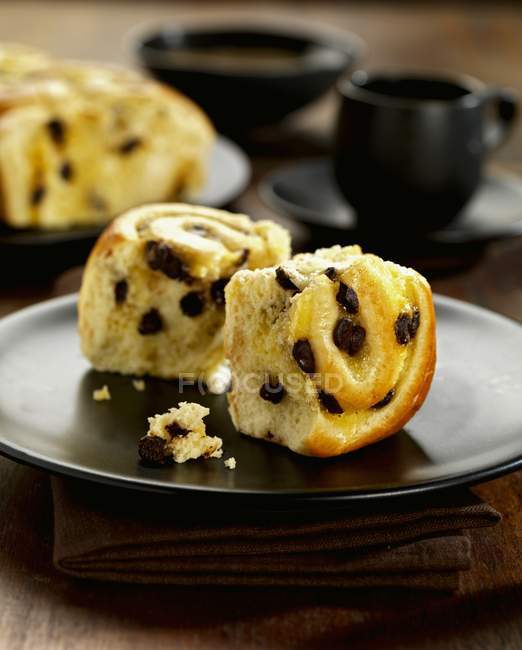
(42, 609)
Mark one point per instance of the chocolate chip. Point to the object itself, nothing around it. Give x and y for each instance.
(357, 340)
(385, 400)
(157, 253)
(217, 290)
(152, 450)
(66, 171)
(37, 195)
(129, 145)
(303, 354)
(120, 291)
(349, 337)
(402, 329)
(196, 229)
(272, 391)
(56, 130)
(414, 322)
(347, 297)
(243, 257)
(284, 280)
(151, 323)
(160, 257)
(269, 435)
(329, 402)
(97, 202)
(176, 431)
(192, 304)
(331, 273)
(342, 333)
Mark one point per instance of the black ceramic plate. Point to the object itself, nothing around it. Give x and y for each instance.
(469, 430)
(306, 191)
(37, 251)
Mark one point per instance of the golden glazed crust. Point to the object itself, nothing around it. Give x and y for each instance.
(324, 441)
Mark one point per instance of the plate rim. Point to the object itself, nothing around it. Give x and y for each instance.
(41, 461)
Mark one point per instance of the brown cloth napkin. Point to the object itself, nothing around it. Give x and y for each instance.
(122, 535)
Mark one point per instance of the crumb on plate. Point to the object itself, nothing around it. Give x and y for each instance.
(101, 394)
(230, 463)
(179, 435)
(139, 385)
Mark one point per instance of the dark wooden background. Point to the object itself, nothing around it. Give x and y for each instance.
(42, 609)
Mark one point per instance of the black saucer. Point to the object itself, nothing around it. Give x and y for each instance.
(306, 191)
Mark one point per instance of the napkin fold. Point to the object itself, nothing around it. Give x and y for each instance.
(122, 535)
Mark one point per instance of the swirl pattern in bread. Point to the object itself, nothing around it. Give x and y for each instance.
(330, 351)
(152, 297)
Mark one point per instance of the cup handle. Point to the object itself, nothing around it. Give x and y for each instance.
(504, 105)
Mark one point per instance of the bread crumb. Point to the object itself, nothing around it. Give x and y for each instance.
(101, 394)
(219, 382)
(230, 463)
(179, 435)
(139, 385)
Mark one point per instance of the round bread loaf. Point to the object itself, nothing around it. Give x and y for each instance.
(82, 142)
(152, 297)
(330, 351)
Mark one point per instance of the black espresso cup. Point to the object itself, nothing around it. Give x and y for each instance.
(410, 147)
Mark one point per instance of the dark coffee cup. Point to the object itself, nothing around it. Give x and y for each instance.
(410, 147)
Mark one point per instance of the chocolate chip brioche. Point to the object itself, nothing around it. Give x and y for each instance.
(80, 143)
(329, 351)
(152, 297)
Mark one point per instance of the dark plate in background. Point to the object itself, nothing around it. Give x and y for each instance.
(306, 192)
(34, 253)
(469, 430)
